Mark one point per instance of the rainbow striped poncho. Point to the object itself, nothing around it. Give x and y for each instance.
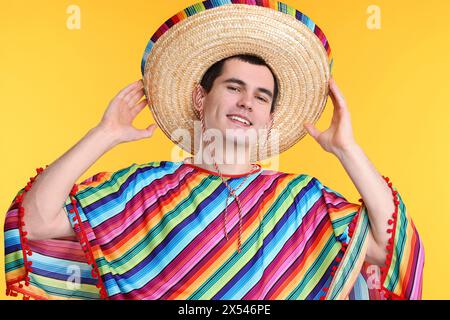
(155, 231)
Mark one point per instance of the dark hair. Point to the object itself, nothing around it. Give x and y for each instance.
(216, 70)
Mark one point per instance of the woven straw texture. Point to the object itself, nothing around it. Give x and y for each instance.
(182, 54)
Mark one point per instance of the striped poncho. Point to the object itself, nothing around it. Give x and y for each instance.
(155, 231)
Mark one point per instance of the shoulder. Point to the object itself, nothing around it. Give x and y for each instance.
(294, 177)
(135, 171)
(153, 169)
(295, 182)
(304, 182)
(155, 166)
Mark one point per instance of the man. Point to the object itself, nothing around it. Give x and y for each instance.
(151, 231)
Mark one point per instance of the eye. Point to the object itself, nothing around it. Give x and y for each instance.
(262, 99)
(233, 89)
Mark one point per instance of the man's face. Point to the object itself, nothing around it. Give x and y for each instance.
(240, 98)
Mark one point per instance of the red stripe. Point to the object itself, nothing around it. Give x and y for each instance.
(291, 245)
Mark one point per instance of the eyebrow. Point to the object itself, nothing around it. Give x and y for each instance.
(242, 83)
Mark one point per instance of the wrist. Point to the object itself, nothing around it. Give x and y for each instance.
(347, 151)
(105, 137)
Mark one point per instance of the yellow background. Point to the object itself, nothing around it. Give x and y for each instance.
(55, 84)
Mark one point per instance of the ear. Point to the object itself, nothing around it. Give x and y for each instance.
(198, 95)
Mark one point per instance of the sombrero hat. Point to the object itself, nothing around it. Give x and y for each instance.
(187, 44)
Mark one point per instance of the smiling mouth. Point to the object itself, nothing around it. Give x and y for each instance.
(239, 120)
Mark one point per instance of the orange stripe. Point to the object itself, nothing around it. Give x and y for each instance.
(288, 281)
(406, 279)
(144, 224)
(279, 260)
(210, 235)
(219, 253)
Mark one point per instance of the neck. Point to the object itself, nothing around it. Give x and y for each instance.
(227, 165)
(225, 169)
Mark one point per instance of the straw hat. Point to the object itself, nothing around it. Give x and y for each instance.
(187, 44)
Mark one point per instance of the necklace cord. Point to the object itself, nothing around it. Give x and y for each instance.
(231, 191)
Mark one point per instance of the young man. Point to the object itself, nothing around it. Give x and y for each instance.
(165, 230)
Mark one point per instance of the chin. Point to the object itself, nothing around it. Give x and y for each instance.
(241, 134)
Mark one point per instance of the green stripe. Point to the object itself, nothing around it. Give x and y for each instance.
(235, 263)
(312, 276)
(393, 273)
(160, 231)
(354, 254)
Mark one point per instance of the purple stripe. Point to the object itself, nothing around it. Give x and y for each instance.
(281, 280)
(279, 226)
(259, 182)
(207, 258)
(178, 178)
(124, 186)
(311, 214)
(169, 237)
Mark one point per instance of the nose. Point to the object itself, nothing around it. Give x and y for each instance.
(245, 102)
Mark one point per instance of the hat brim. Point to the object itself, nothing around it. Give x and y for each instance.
(180, 57)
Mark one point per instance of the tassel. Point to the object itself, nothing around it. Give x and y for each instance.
(390, 246)
(74, 190)
(26, 250)
(84, 243)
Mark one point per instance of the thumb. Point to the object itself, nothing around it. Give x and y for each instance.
(147, 132)
(312, 130)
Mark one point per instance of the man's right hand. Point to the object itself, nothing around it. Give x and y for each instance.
(45, 216)
(121, 112)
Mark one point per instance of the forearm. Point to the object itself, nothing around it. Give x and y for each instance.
(377, 196)
(52, 187)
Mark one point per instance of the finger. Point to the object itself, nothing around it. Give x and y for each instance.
(122, 93)
(138, 107)
(312, 130)
(148, 132)
(134, 89)
(132, 99)
(337, 96)
(129, 88)
(336, 116)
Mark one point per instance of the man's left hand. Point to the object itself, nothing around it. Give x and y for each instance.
(339, 136)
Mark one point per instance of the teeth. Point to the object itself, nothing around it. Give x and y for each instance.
(240, 120)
